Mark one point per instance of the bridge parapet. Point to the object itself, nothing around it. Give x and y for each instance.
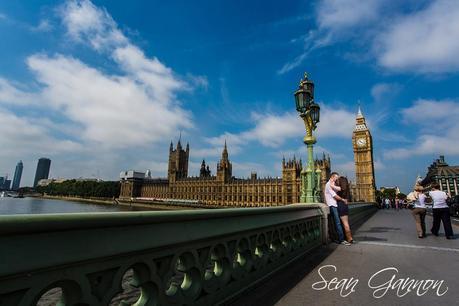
(177, 257)
(361, 211)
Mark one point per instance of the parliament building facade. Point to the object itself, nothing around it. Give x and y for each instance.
(222, 189)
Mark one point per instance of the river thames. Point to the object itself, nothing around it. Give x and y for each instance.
(15, 206)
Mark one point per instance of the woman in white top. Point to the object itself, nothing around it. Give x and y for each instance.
(419, 211)
(440, 211)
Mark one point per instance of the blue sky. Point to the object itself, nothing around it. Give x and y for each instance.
(104, 86)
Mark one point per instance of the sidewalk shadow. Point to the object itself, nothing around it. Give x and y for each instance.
(368, 238)
(380, 229)
(269, 291)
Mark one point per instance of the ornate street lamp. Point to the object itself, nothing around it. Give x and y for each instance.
(310, 113)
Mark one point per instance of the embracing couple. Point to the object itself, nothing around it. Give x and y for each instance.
(337, 194)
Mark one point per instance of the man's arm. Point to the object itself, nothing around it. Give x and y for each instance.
(338, 198)
(336, 188)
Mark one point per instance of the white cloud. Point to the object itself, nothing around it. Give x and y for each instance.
(103, 113)
(432, 113)
(385, 92)
(21, 135)
(272, 130)
(340, 15)
(114, 111)
(346, 169)
(294, 63)
(26, 139)
(336, 20)
(198, 81)
(86, 22)
(379, 164)
(43, 26)
(215, 151)
(335, 122)
(426, 41)
(157, 168)
(11, 94)
(415, 38)
(438, 129)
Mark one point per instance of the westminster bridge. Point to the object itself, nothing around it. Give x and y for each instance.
(248, 256)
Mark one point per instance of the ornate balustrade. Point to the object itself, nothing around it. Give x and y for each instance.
(200, 257)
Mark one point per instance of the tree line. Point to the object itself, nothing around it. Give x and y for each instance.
(390, 194)
(84, 189)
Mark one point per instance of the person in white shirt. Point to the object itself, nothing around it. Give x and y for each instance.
(330, 198)
(419, 211)
(387, 202)
(440, 212)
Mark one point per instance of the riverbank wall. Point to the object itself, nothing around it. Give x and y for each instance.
(140, 204)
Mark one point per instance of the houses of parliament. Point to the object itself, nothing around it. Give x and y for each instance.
(223, 189)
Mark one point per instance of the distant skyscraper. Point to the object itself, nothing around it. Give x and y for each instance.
(42, 170)
(7, 184)
(17, 175)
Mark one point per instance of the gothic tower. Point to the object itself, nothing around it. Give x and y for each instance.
(291, 171)
(364, 164)
(224, 167)
(204, 171)
(178, 162)
(324, 165)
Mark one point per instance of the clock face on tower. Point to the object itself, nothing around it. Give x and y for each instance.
(363, 158)
(361, 142)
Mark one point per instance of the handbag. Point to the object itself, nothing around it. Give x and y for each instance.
(413, 197)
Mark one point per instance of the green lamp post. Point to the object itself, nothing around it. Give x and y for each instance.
(310, 113)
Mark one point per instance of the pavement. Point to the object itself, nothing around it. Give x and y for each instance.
(389, 265)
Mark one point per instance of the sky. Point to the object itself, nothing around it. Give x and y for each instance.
(105, 86)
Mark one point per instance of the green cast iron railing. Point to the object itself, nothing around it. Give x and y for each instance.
(199, 257)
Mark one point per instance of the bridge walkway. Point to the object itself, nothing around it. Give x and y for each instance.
(387, 240)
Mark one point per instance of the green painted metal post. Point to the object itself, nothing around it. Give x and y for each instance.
(308, 190)
(318, 194)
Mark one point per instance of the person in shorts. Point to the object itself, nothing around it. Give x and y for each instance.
(343, 209)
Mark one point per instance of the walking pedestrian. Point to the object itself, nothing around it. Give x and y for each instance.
(387, 202)
(331, 198)
(343, 209)
(440, 211)
(419, 211)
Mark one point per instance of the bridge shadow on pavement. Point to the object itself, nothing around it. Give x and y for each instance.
(271, 290)
(388, 239)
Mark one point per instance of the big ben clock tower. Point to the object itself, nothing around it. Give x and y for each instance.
(363, 157)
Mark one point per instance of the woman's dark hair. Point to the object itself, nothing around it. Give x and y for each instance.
(333, 173)
(345, 192)
(435, 185)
